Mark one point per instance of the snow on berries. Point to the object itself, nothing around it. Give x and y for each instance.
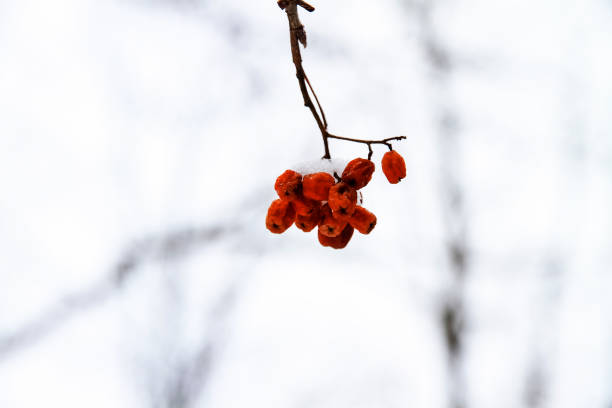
(312, 198)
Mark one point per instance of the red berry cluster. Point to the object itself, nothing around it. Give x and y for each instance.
(318, 200)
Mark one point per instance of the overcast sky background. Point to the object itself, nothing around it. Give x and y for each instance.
(139, 145)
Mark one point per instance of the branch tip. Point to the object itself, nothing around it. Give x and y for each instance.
(305, 6)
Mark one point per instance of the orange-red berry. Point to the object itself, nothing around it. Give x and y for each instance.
(362, 220)
(316, 186)
(342, 200)
(307, 222)
(281, 215)
(330, 225)
(358, 173)
(288, 185)
(337, 242)
(303, 205)
(393, 166)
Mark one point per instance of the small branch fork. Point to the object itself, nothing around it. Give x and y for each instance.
(297, 35)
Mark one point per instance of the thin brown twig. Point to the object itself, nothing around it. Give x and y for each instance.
(297, 35)
(368, 142)
(316, 99)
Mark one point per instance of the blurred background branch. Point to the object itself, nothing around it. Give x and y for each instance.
(166, 246)
(446, 123)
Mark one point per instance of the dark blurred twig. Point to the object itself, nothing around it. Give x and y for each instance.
(156, 247)
(452, 310)
(164, 246)
(544, 331)
(186, 382)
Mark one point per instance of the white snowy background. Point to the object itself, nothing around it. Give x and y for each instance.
(139, 144)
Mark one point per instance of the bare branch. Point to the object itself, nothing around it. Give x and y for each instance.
(297, 35)
(385, 142)
(166, 246)
(189, 379)
(452, 313)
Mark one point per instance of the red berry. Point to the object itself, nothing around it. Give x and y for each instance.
(307, 222)
(339, 241)
(362, 220)
(281, 215)
(342, 200)
(288, 185)
(393, 166)
(330, 225)
(358, 173)
(316, 186)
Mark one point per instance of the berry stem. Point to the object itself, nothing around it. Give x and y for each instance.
(297, 35)
(385, 142)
